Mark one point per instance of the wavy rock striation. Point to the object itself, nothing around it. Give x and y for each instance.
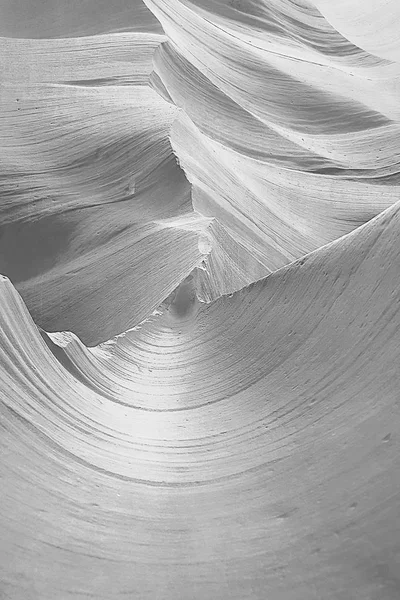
(199, 313)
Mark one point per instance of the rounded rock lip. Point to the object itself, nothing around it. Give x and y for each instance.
(183, 303)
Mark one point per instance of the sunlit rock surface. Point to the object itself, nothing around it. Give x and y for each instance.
(199, 308)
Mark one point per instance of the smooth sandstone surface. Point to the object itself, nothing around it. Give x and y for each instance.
(199, 300)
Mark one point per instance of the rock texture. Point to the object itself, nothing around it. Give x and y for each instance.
(200, 301)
